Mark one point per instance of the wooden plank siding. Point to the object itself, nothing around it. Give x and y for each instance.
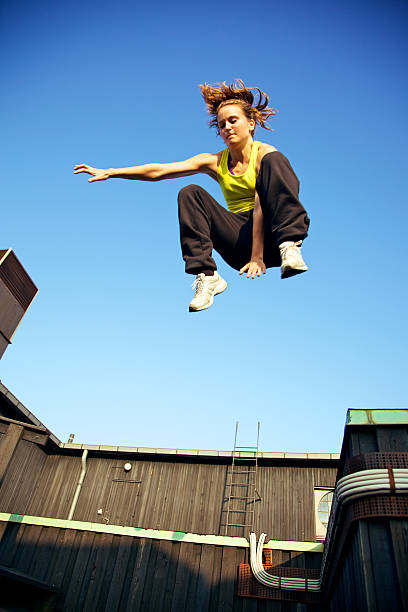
(373, 439)
(8, 446)
(11, 311)
(373, 570)
(369, 579)
(94, 571)
(21, 477)
(39, 483)
(17, 291)
(175, 495)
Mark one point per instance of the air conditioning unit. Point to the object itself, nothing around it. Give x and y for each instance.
(323, 498)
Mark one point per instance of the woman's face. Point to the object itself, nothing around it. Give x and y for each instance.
(234, 125)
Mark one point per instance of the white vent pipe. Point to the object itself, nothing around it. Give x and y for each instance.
(79, 485)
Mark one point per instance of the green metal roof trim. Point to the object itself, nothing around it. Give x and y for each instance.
(174, 536)
(377, 417)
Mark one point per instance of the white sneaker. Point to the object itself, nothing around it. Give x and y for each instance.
(292, 260)
(206, 287)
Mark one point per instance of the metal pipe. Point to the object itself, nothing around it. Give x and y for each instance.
(79, 485)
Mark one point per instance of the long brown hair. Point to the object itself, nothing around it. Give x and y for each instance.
(221, 94)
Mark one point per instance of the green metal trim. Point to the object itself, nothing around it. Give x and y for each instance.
(138, 532)
(317, 547)
(377, 417)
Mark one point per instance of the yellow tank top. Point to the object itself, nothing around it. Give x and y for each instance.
(238, 190)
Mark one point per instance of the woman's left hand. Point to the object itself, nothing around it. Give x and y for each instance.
(254, 268)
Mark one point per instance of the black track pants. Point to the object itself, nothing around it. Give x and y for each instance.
(205, 224)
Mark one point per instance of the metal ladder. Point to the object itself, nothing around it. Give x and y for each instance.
(240, 487)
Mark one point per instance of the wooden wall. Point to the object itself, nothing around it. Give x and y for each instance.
(17, 291)
(100, 571)
(94, 571)
(373, 573)
(374, 438)
(161, 494)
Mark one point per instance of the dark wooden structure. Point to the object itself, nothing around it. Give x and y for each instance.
(368, 564)
(149, 536)
(103, 571)
(17, 291)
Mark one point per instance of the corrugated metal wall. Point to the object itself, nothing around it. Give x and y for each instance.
(101, 572)
(171, 495)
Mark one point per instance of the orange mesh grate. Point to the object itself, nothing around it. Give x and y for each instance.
(267, 557)
(380, 506)
(249, 587)
(372, 461)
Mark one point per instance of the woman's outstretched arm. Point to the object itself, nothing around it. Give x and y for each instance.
(205, 163)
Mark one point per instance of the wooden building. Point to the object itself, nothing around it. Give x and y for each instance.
(17, 291)
(85, 527)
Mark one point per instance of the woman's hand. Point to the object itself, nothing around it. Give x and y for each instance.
(254, 268)
(97, 174)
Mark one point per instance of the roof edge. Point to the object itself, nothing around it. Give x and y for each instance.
(187, 452)
(177, 452)
(383, 416)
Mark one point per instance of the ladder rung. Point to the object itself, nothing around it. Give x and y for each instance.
(245, 472)
(237, 525)
(240, 484)
(244, 459)
(239, 497)
(251, 447)
(241, 511)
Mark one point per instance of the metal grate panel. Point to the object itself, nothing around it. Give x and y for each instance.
(379, 506)
(372, 461)
(249, 587)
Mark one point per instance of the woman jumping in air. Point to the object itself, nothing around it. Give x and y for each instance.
(265, 224)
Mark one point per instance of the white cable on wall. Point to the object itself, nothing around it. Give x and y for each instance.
(348, 488)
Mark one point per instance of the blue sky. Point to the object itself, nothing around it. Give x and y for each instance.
(108, 349)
